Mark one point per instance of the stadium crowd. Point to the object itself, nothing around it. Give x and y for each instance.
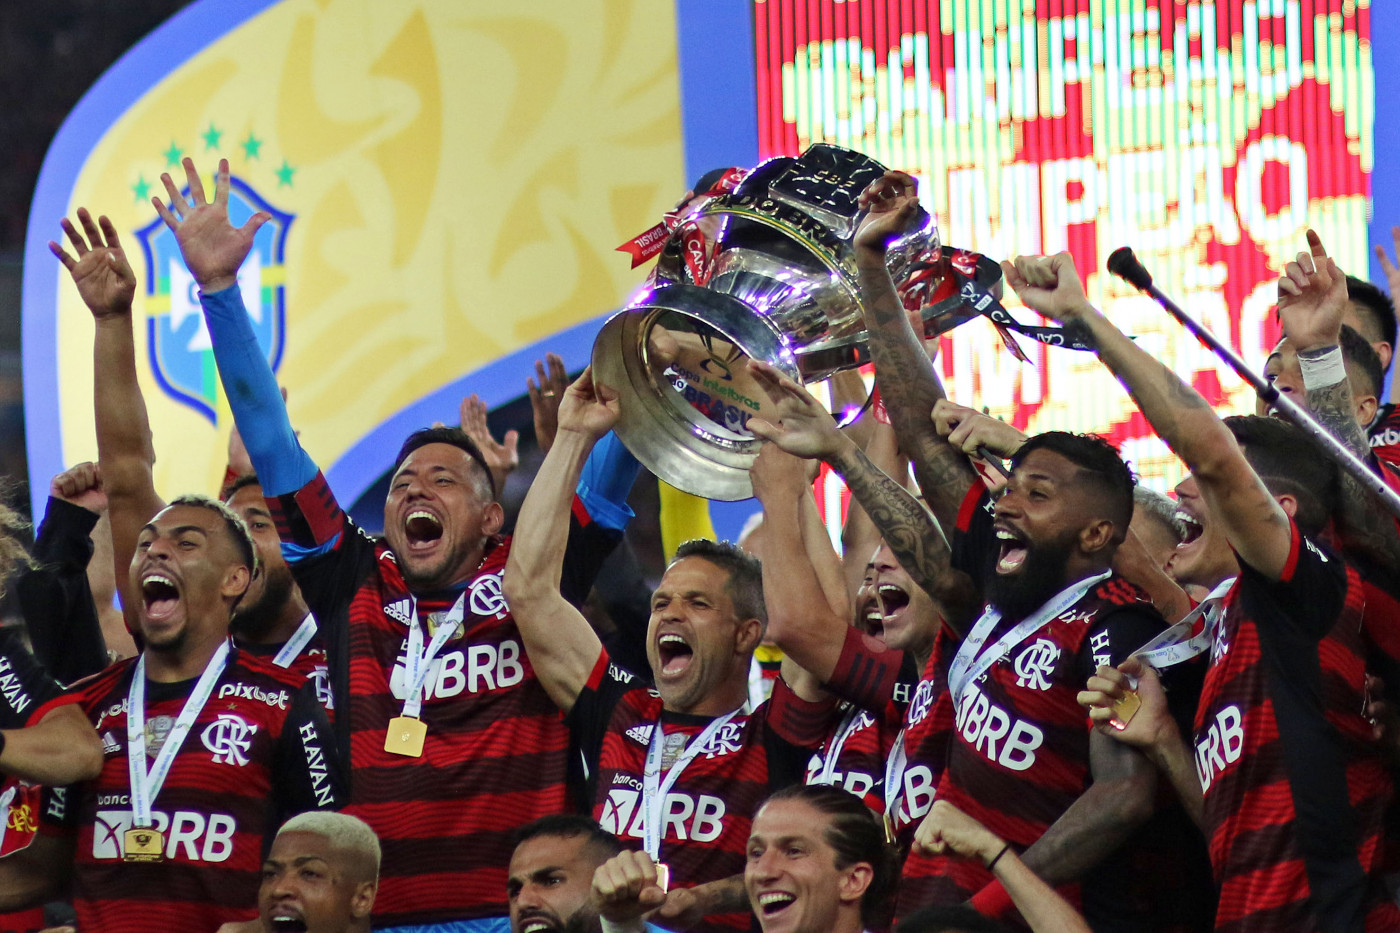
(1039, 698)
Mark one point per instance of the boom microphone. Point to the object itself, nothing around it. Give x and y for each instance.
(1125, 265)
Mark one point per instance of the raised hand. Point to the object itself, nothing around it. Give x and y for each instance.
(501, 458)
(1312, 295)
(103, 276)
(545, 397)
(1392, 273)
(892, 201)
(804, 427)
(589, 408)
(213, 248)
(1151, 726)
(1049, 285)
(80, 484)
(776, 473)
(625, 886)
(948, 830)
(968, 429)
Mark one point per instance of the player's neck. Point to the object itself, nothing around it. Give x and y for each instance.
(725, 698)
(184, 661)
(1080, 567)
(282, 626)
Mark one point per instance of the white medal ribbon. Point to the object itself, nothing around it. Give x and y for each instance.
(833, 751)
(1175, 644)
(299, 640)
(419, 661)
(655, 787)
(968, 665)
(894, 778)
(7, 798)
(145, 785)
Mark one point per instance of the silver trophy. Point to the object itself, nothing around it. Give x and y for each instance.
(765, 271)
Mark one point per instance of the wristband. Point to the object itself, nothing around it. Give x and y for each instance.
(996, 858)
(1323, 367)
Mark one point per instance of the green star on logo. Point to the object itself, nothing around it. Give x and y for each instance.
(212, 137)
(251, 145)
(172, 155)
(142, 189)
(284, 175)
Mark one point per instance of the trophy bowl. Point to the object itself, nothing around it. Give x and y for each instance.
(767, 272)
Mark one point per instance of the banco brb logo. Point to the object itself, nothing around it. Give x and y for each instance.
(178, 345)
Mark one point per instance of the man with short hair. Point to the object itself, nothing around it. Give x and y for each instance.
(451, 740)
(551, 874)
(206, 748)
(682, 768)
(320, 875)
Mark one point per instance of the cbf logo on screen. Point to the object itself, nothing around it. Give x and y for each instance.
(180, 352)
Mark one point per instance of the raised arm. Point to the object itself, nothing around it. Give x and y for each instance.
(1254, 523)
(125, 453)
(561, 645)
(1312, 296)
(60, 749)
(805, 428)
(859, 536)
(908, 385)
(214, 250)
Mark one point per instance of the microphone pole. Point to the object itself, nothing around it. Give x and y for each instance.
(1126, 266)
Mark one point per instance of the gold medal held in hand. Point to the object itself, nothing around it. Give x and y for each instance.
(405, 736)
(663, 877)
(143, 844)
(1125, 708)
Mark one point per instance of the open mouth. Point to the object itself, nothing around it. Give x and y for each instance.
(287, 923)
(536, 925)
(1191, 529)
(422, 528)
(1013, 550)
(160, 596)
(887, 603)
(675, 653)
(772, 903)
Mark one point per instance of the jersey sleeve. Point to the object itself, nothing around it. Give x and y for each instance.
(27, 691)
(972, 535)
(55, 597)
(1306, 599)
(866, 672)
(591, 712)
(1114, 636)
(795, 729)
(307, 772)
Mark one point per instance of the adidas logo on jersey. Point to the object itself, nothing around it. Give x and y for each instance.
(110, 745)
(641, 734)
(401, 610)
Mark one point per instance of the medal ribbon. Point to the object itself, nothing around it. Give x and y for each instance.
(969, 664)
(299, 640)
(894, 777)
(833, 751)
(7, 798)
(655, 787)
(145, 785)
(1177, 644)
(420, 661)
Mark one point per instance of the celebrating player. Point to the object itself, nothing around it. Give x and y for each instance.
(681, 768)
(320, 876)
(451, 741)
(206, 747)
(551, 874)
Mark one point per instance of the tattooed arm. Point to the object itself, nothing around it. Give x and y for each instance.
(805, 429)
(908, 384)
(1253, 521)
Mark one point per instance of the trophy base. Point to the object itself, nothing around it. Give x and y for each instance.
(677, 360)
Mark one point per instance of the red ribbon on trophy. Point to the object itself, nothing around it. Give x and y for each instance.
(648, 244)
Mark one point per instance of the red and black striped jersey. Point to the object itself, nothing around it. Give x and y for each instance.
(1294, 788)
(712, 804)
(1384, 435)
(1019, 751)
(310, 663)
(19, 808)
(260, 751)
(496, 752)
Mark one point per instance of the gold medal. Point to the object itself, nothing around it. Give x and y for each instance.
(143, 845)
(890, 834)
(663, 876)
(405, 736)
(672, 747)
(1125, 708)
